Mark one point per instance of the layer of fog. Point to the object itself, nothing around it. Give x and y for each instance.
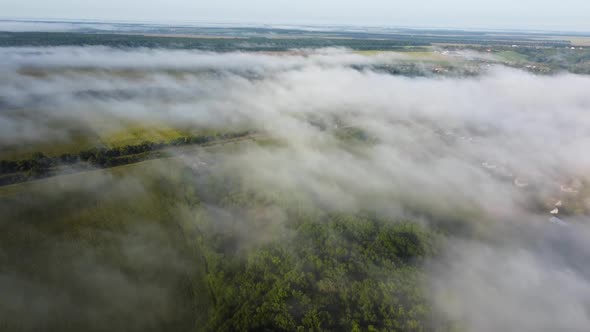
(443, 148)
(122, 274)
(541, 284)
(107, 58)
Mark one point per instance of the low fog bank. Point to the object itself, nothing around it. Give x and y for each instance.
(95, 252)
(536, 282)
(498, 152)
(106, 58)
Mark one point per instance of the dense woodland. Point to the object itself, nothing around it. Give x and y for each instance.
(246, 260)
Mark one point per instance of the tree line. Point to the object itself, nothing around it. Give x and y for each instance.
(41, 165)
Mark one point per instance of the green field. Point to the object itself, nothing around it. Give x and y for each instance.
(130, 134)
(511, 57)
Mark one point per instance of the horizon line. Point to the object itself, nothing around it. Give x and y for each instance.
(292, 24)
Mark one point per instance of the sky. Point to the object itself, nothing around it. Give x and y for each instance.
(573, 15)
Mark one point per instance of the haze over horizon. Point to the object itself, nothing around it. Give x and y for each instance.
(502, 14)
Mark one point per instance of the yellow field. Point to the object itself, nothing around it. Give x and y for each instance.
(429, 56)
(135, 134)
(426, 55)
(130, 134)
(579, 41)
(50, 148)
